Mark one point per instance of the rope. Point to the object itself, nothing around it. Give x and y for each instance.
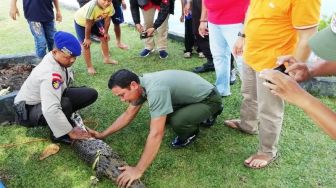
(93, 179)
(93, 124)
(17, 144)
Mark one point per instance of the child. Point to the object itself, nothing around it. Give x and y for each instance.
(189, 37)
(94, 17)
(40, 18)
(117, 19)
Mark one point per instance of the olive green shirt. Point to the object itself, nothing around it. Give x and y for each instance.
(169, 89)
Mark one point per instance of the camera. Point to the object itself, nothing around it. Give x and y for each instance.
(143, 35)
(280, 68)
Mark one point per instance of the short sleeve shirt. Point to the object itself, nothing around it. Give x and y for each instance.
(166, 90)
(92, 11)
(38, 10)
(271, 29)
(226, 12)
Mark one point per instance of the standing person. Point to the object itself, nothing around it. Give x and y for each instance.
(202, 42)
(272, 28)
(182, 103)
(46, 98)
(148, 9)
(117, 19)
(94, 17)
(225, 20)
(323, 44)
(40, 18)
(189, 37)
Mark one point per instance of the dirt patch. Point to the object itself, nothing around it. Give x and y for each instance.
(13, 75)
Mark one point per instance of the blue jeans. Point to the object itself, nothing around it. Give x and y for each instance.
(222, 39)
(43, 33)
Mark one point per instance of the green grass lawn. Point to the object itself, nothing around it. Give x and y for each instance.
(214, 160)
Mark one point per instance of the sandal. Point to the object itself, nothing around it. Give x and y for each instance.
(235, 124)
(262, 161)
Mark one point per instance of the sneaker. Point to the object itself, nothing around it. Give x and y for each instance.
(63, 139)
(233, 76)
(145, 52)
(163, 54)
(203, 69)
(201, 55)
(212, 119)
(187, 55)
(95, 38)
(178, 143)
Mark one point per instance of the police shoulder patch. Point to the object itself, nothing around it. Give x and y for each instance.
(56, 80)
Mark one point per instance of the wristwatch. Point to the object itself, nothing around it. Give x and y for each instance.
(241, 34)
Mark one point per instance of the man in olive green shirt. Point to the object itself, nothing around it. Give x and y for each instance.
(182, 99)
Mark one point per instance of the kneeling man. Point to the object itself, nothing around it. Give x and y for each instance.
(182, 99)
(45, 97)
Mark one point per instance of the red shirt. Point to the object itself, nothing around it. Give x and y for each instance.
(222, 12)
(150, 5)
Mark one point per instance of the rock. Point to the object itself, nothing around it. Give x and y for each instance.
(322, 86)
(7, 114)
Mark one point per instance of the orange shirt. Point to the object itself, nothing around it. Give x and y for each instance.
(271, 29)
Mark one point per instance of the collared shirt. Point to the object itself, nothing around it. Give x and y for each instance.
(271, 29)
(45, 85)
(92, 11)
(168, 89)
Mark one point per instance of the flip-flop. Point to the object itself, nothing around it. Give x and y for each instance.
(235, 124)
(261, 157)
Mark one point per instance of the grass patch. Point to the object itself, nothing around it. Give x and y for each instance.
(214, 160)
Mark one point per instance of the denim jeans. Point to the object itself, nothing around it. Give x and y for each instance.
(43, 33)
(222, 38)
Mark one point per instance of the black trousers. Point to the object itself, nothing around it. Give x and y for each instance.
(73, 99)
(189, 37)
(202, 43)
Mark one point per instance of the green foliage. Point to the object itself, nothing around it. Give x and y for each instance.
(324, 22)
(214, 160)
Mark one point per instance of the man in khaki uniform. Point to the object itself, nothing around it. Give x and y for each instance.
(45, 96)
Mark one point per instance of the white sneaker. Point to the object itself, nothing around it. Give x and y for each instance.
(201, 55)
(187, 55)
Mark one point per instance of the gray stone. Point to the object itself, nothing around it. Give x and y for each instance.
(7, 113)
(322, 86)
(29, 58)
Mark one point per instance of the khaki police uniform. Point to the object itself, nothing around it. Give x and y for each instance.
(43, 92)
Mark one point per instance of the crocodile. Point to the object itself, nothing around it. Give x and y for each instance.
(102, 158)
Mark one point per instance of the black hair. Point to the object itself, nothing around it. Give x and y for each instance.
(123, 79)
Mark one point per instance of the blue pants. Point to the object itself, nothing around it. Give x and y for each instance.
(43, 33)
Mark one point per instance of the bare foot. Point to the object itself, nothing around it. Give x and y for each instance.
(110, 61)
(258, 161)
(122, 46)
(91, 70)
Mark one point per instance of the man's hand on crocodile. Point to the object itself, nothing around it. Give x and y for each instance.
(128, 175)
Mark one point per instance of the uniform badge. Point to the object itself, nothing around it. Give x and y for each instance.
(56, 81)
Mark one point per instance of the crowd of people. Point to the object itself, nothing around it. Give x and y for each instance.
(257, 35)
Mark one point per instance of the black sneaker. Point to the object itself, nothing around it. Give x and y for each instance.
(178, 143)
(145, 52)
(211, 120)
(163, 54)
(203, 69)
(63, 139)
